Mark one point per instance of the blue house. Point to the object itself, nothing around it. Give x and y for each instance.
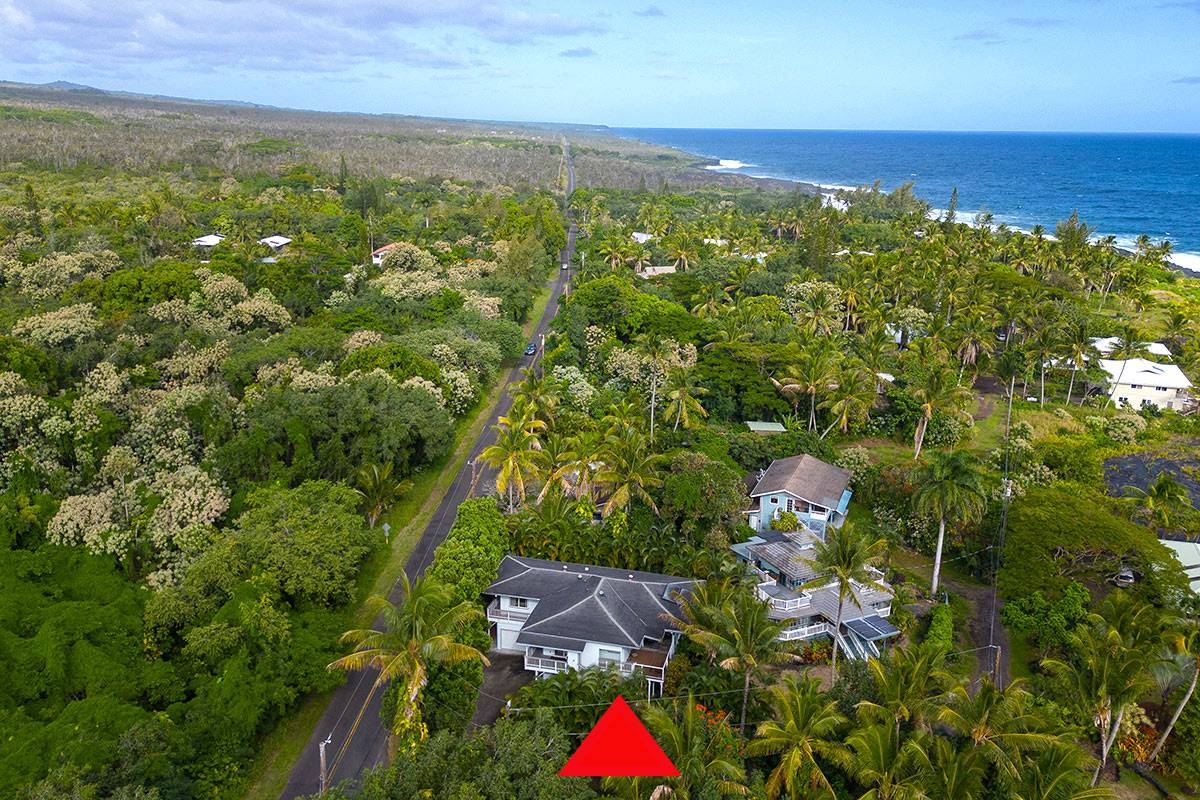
(816, 492)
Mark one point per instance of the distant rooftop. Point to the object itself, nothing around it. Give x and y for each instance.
(765, 427)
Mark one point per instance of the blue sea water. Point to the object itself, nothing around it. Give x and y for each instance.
(1122, 184)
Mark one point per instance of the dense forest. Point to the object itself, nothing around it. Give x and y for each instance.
(201, 446)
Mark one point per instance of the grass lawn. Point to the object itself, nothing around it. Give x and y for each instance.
(1019, 654)
(279, 749)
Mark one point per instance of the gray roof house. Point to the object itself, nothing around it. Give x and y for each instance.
(565, 616)
(788, 583)
(781, 561)
(816, 492)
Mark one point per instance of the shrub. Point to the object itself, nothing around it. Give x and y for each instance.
(786, 521)
(857, 460)
(1049, 623)
(941, 627)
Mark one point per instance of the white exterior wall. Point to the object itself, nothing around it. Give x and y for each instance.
(1126, 396)
(591, 653)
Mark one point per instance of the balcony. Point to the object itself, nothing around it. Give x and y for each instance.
(803, 632)
(539, 664)
(495, 612)
(780, 598)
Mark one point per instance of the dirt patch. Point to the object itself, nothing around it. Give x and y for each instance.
(980, 627)
(987, 404)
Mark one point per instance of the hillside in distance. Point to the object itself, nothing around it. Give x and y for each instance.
(64, 126)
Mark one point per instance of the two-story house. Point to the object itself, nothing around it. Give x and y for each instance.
(781, 562)
(564, 616)
(816, 492)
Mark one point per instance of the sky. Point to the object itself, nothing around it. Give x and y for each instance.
(1064, 65)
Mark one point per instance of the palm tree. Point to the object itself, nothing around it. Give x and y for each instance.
(850, 400)
(1128, 345)
(1044, 345)
(706, 766)
(845, 559)
(804, 728)
(816, 373)
(1056, 773)
(888, 764)
(417, 633)
(1000, 723)
(1161, 500)
(910, 684)
(556, 463)
(1186, 642)
(951, 772)
(630, 470)
(1078, 349)
(684, 400)
(939, 391)
(379, 490)
(741, 636)
(1103, 678)
(949, 485)
(514, 456)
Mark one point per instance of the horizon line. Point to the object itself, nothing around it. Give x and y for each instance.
(72, 86)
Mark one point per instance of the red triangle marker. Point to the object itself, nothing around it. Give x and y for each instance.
(619, 745)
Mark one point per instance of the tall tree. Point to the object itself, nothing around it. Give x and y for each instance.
(939, 390)
(803, 730)
(419, 632)
(948, 486)
(845, 559)
(740, 635)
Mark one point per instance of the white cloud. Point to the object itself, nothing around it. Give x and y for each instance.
(268, 35)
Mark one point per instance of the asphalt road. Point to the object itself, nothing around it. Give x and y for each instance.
(357, 737)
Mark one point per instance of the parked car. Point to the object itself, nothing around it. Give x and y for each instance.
(1124, 577)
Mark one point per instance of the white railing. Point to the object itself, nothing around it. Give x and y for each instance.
(803, 632)
(494, 612)
(627, 668)
(546, 664)
(782, 604)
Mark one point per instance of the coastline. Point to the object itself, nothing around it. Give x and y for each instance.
(1186, 262)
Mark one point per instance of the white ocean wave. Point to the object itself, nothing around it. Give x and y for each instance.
(728, 164)
(1186, 260)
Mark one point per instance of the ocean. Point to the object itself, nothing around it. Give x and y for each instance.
(1121, 184)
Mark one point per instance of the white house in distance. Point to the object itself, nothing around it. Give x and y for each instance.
(275, 241)
(208, 240)
(816, 492)
(641, 238)
(1105, 345)
(654, 272)
(378, 253)
(571, 616)
(1138, 383)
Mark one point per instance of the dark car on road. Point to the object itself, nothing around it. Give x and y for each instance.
(530, 349)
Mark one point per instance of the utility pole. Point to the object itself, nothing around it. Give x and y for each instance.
(324, 773)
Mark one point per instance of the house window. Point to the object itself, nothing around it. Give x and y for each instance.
(608, 656)
(518, 602)
(1135, 386)
(554, 653)
(775, 500)
(1161, 388)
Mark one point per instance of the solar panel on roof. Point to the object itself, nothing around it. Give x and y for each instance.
(884, 628)
(861, 628)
